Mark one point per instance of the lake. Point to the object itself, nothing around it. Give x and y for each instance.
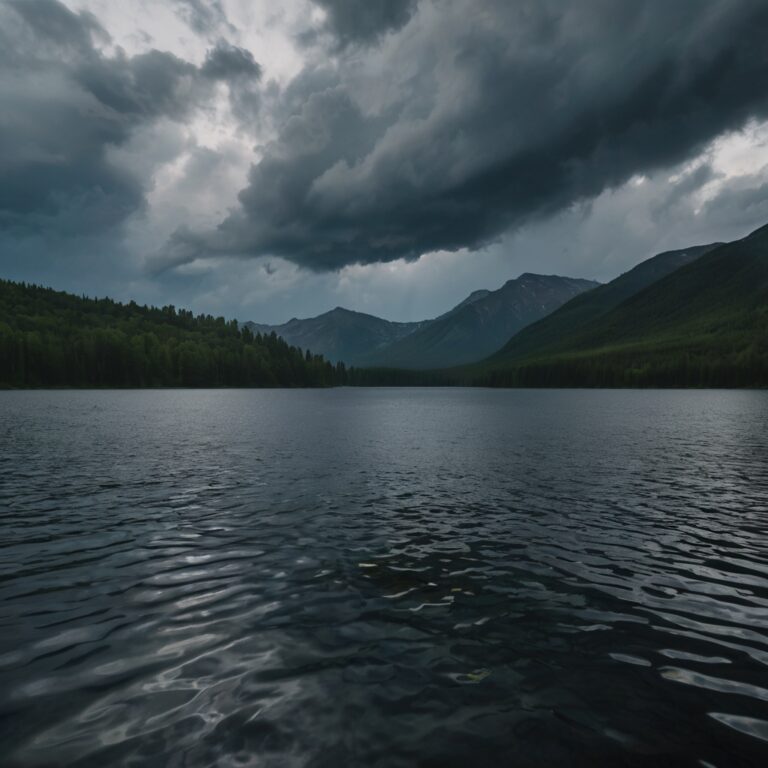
(384, 577)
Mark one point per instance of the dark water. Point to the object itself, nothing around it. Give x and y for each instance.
(384, 578)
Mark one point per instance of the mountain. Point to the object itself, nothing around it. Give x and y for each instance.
(472, 329)
(703, 324)
(560, 329)
(339, 335)
(54, 339)
(471, 299)
(480, 324)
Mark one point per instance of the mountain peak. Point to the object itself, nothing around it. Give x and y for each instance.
(587, 310)
(481, 324)
(477, 326)
(534, 277)
(342, 313)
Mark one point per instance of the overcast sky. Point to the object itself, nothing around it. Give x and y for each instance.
(265, 160)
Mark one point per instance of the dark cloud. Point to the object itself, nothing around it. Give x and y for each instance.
(55, 23)
(237, 67)
(352, 21)
(225, 62)
(67, 108)
(141, 87)
(679, 194)
(481, 117)
(441, 124)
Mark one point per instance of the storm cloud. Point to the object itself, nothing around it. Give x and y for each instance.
(269, 160)
(475, 118)
(352, 21)
(68, 107)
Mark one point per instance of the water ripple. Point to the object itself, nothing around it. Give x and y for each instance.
(384, 578)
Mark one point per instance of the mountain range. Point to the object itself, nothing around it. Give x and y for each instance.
(468, 332)
(697, 317)
(562, 328)
(340, 334)
(692, 317)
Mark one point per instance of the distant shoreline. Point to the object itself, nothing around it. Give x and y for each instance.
(691, 388)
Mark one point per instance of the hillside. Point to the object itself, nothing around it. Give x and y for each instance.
(481, 324)
(53, 339)
(563, 327)
(703, 324)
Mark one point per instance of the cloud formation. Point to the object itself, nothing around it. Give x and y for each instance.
(496, 136)
(206, 17)
(474, 119)
(351, 21)
(68, 107)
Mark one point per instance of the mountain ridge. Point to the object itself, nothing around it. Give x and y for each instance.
(588, 308)
(480, 327)
(702, 324)
(340, 334)
(467, 332)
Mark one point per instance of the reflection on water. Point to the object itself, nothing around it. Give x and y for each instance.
(384, 578)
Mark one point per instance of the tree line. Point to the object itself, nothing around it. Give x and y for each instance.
(743, 365)
(54, 339)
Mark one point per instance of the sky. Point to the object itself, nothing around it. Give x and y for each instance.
(266, 160)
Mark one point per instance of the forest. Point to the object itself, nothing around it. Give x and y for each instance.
(743, 364)
(54, 339)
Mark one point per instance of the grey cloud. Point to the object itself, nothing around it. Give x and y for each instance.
(743, 205)
(352, 21)
(237, 67)
(140, 87)
(53, 132)
(206, 17)
(492, 115)
(679, 193)
(55, 23)
(67, 107)
(225, 61)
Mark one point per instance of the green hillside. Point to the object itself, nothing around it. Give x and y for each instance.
(703, 324)
(563, 328)
(54, 339)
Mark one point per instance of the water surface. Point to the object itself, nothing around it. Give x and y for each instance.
(384, 578)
